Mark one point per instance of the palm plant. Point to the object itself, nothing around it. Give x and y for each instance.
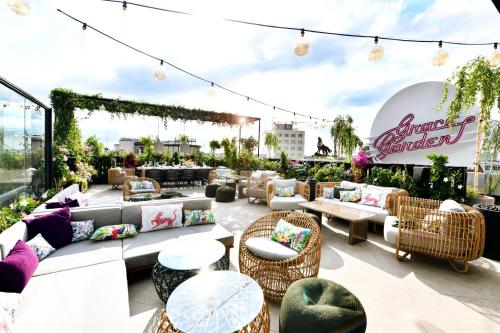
(148, 143)
(183, 138)
(271, 142)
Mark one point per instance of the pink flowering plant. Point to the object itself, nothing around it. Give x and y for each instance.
(360, 162)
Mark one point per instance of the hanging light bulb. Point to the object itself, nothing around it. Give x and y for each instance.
(495, 56)
(302, 46)
(160, 73)
(377, 52)
(441, 57)
(211, 90)
(20, 7)
(83, 36)
(124, 5)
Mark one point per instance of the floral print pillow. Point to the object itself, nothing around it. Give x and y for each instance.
(197, 217)
(114, 232)
(285, 192)
(350, 196)
(290, 235)
(82, 230)
(328, 193)
(40, 247)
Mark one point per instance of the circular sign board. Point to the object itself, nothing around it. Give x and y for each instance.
(407, 128)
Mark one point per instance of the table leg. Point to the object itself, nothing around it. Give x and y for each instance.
(358, 232)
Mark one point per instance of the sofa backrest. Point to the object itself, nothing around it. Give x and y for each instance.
(132, 214)
(102, 216)
(10, 236)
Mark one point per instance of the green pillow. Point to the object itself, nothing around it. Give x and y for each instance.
(114, 232)
(198, 217)
(285, 192)
(350, 196)
(290, 235)
(337, 189)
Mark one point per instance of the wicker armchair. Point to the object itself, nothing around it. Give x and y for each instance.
(449, 235)
(117, 176)
(127, 191)
(302, 188)
(275, 276)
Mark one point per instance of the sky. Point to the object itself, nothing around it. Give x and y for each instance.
(46, 50)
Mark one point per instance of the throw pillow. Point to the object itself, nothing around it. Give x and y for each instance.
(67, 202)
(82, 230)
(352, 185)
(40, 247)
(9, 302)
(82, 199)
(290, 235)
(329, 193)
(17, 268)
(337, 189)
(451, 206)
(269, 249)
(350, 196)
(285, 192)
(54, 227)
(114, 232)
(199, 216)
(284, 183)
(161, 217)
(374, 197)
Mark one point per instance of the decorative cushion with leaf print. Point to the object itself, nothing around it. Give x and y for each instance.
(117, 231)
(40, 247)
(350, 196)
(198, 217)
(285, 192)
(290, 235)
(82, 230)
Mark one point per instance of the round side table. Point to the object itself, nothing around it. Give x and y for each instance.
(186, 258)
(216, 302)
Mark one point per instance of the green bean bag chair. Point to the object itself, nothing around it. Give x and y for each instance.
(211, 189)
(225, 194)
(320, 306)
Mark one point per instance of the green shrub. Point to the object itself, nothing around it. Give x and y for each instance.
(444, 182)
(101, 165)
(331, 173)
(11, 160)
(381, 177)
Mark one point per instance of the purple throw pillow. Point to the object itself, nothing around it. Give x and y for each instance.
(17, 268)
(68, 202)
(54, 227)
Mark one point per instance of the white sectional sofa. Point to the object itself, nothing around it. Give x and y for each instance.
(82, 287)
(380, 213)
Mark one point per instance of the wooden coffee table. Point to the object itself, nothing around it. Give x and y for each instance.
(358, 219)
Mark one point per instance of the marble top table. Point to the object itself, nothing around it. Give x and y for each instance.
(219, 301)
(191, 254)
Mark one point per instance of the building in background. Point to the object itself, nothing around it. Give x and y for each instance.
(290, 140)
(134, 145)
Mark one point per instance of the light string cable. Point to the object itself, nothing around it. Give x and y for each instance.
(163, 61)
(341, 34)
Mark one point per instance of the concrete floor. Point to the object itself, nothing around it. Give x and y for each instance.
(422, 294)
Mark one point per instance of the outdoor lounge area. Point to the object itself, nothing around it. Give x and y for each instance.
(251, 167)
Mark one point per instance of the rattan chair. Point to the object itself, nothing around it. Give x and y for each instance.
(450, 235)
(127, 191)
(302, 188)
(187, 176)
(117, 176)
(155, 174)
(275, 276)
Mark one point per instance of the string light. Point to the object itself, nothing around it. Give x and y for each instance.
(160, 73)
(211, 90)
(495, 56)
(19, 7)
(302, 46)
(377, 52)
(441, 57)
(124, 5)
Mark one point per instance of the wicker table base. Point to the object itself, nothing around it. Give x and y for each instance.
(166, 280)
(261, 323)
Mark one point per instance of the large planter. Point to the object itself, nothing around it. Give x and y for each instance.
(492, 239)
(480, 200)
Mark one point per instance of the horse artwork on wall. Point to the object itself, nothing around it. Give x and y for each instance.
(323, 150)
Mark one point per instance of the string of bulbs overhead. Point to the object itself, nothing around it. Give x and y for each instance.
(376, 53)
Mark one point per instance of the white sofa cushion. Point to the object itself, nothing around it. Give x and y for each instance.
(286, 203)
(285, 182)
(85, 300)
(380, 213)
(451, 206)
(390, 231)
(269, 249)
(352, 185)
(382, 188)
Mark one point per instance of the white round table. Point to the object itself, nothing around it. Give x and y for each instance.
(183, 259)
(219, 301)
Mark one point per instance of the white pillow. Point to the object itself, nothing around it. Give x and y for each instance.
(351, 185)
(383, 188)
(9, 302)
(284, 183)
(451, 206)
(161, 217)
(373, 197)
(268, 249)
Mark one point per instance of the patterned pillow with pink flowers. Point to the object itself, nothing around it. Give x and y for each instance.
(374, 197)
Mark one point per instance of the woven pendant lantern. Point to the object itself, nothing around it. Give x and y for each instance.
(441, 57)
